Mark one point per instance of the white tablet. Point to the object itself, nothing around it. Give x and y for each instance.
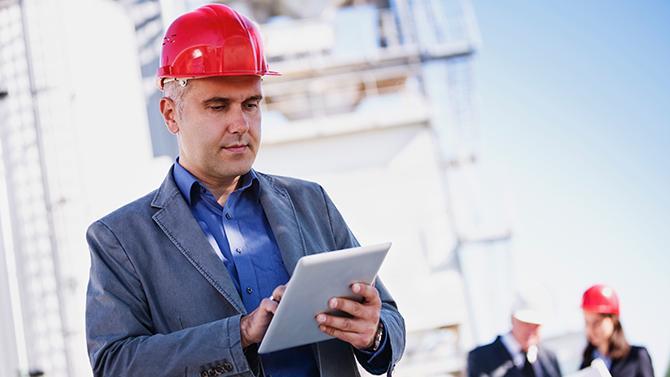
(597, 369)
(316, 279)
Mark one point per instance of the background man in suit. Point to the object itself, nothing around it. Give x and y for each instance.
(517, 353)
(184, 281)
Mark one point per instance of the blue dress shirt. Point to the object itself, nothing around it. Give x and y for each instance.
(606, 359)
(241, 236)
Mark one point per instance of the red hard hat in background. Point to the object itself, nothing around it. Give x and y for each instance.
(601, 299)
(213, 40)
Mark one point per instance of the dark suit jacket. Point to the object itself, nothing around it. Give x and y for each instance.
(636, 364)
(160, 302)
(493, 360)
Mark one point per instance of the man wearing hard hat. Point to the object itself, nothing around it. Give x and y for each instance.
(180, 279)
(517, 353)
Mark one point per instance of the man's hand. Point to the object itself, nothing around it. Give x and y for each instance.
(359, 331)
(254, 324)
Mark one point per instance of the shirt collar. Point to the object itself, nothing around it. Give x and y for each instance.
(606, 359)
(513, 348)
(189, 186)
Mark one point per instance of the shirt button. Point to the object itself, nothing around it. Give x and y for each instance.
(250, 290)
(228, 216)
(239, 251)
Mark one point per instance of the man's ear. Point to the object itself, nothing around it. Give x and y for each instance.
(169, 111)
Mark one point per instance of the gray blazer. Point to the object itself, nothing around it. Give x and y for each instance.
(160, 303)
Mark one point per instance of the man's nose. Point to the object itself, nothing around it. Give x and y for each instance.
(239, 122)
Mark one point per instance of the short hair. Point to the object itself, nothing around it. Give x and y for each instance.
(175, 91)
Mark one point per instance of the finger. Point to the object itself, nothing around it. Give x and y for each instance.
(356, 340)
(369, 292)
(356, 309)
(345, 324)
(254, 325)
(278, 293)
(268, 306)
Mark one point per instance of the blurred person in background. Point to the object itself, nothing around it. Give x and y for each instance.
(605, 336)
(517, 353)
(184, 281)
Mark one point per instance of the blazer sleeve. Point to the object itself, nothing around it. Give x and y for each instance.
(646, 368)
(472, 367)
(120, 338)
(394, 324)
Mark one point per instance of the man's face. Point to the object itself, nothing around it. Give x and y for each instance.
(218, 126)
(526, 334)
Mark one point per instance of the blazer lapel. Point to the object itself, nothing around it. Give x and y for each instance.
(616, 365)
(548, 366)
(281, 215)
(505, 362)
(175, 219)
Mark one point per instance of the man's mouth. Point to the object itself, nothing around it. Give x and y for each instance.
(236, 148)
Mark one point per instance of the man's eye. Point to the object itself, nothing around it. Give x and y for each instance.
(251, 105)
(217, 108)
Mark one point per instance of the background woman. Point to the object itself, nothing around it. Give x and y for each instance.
(605, 336)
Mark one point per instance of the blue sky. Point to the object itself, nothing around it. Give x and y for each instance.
(574, 106)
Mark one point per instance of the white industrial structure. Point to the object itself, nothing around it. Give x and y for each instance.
(375, 104)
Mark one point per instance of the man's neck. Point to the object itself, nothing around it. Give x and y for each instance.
(222, 191)
(219, 187)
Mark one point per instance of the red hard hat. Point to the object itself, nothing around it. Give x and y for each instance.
(213, 40)
(601, 299)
